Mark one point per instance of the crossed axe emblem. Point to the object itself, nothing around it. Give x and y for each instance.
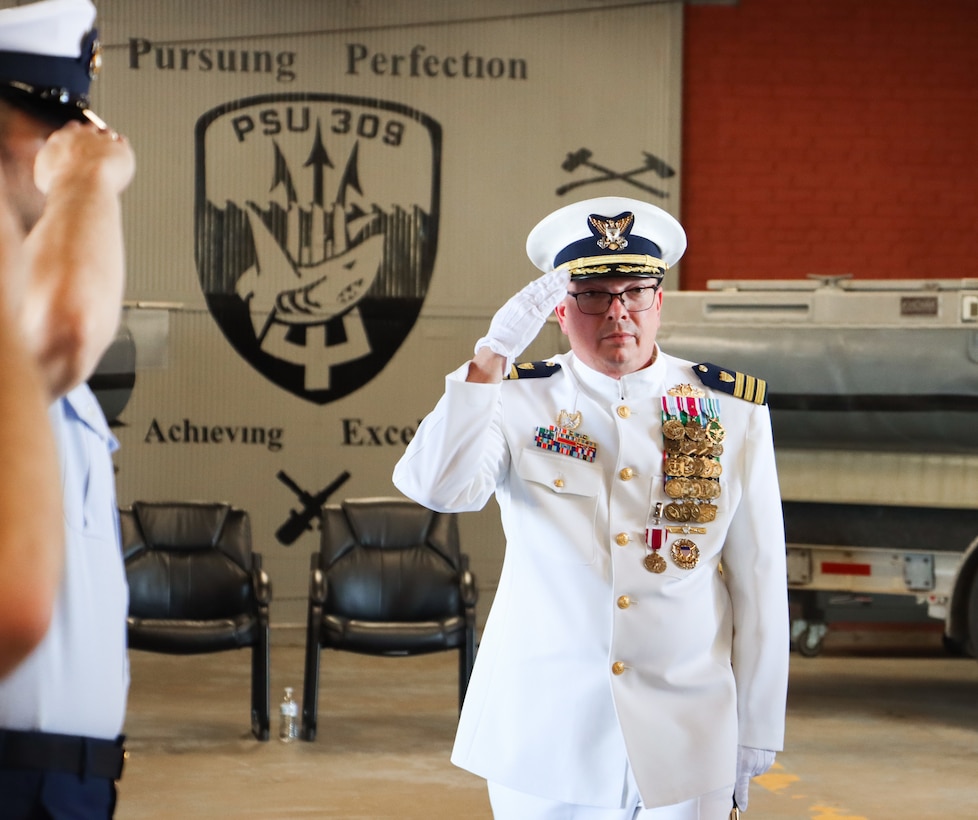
(583, 157)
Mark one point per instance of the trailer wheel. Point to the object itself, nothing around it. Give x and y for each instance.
(808, 640)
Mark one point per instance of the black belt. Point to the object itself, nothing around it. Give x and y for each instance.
(83, 756)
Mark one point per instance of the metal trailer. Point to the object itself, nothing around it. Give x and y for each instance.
(878, 550)
(873, 390)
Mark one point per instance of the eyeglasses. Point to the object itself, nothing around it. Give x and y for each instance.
(596, 302)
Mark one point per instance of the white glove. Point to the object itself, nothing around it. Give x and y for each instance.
(750, 763)
(518, 322)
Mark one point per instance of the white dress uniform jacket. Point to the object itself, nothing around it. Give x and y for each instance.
(588, 660)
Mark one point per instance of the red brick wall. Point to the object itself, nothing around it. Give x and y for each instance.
(830, 137)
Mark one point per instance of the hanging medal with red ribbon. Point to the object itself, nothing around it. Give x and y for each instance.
(655, 539)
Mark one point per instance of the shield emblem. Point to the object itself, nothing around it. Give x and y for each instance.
(316, 229)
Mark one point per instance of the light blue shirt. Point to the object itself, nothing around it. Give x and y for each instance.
(77, 679)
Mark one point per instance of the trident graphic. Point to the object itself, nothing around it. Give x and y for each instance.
(583, 157)
(320, 274)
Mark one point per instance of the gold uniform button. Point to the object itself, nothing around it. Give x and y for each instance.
(617, 668)
(627, 474)
(624, 412)
(558, 483)
(624, 602)
(622, 539)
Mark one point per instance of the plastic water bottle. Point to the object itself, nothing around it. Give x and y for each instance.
(288, 727)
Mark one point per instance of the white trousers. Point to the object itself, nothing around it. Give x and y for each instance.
(508, 804)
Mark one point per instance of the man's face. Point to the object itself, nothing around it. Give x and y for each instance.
(21, 139)
(618, 341)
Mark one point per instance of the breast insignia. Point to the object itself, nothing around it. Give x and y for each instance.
(532, 370)
(739, 385)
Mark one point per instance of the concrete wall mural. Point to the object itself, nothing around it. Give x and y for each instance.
(331, 200)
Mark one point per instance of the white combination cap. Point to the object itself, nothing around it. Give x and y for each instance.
(49, 54)
(607, 236)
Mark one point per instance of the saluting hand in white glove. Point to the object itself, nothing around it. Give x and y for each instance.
(517, 323)
(750, 763)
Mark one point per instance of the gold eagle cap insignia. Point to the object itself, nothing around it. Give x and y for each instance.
(612, 231)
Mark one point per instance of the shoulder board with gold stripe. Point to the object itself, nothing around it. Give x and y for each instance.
(532, 370)
(739, 385)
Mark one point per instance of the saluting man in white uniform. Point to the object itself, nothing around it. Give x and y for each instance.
(635, 660)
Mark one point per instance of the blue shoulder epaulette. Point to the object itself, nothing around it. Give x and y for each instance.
(532, 370)
(736, 384)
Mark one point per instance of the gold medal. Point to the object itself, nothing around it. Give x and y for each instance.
(695, 431)
(707, 488)
(708, 468)
(673, 428)
(677, 487)
(655, 562)
(705, 513)
(677, 512)
(685, 553)
(680, 466)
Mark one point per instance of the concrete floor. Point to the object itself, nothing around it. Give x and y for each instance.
(881, 726)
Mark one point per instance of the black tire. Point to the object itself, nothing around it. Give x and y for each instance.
(956, 648)
(970, 643)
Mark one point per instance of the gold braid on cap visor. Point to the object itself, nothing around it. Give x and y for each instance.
(619, 263)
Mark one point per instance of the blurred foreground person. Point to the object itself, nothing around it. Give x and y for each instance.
(62, 708)
(635, 660)
(31, 529)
